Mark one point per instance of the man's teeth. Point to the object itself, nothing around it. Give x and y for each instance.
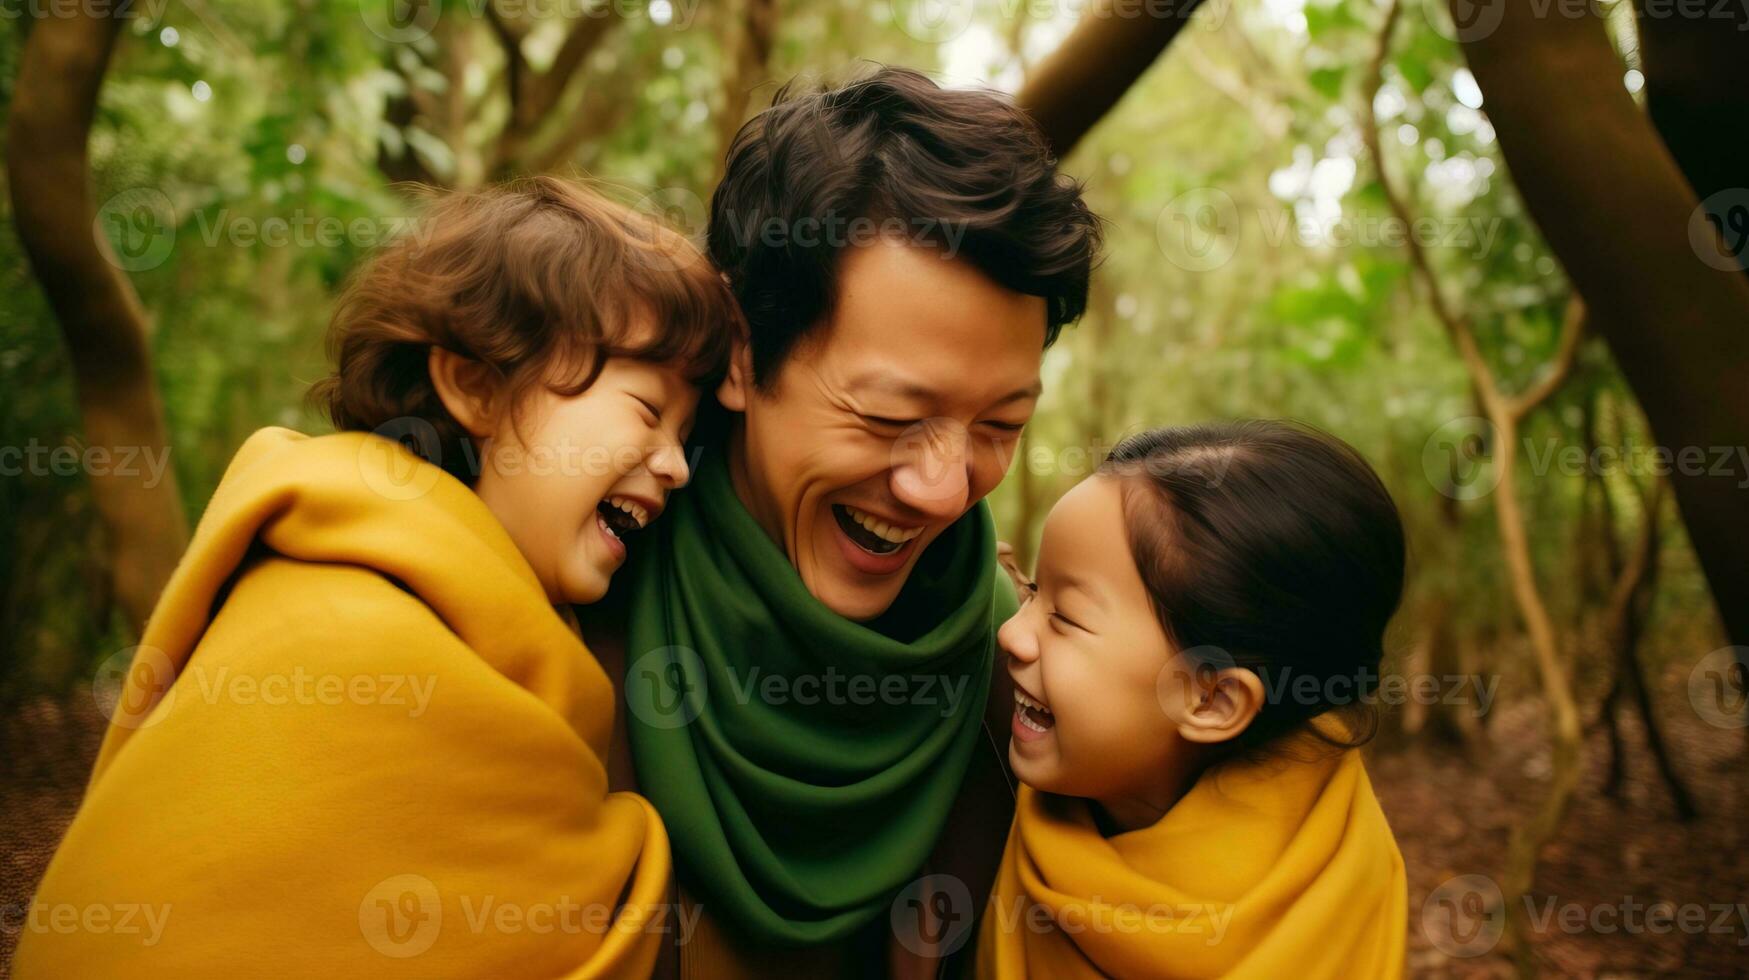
(881, 529)
(632, 507)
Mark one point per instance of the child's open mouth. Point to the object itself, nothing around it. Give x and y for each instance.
(620, 518)
(1031, 718)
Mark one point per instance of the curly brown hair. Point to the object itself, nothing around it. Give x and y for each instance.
(541, 279)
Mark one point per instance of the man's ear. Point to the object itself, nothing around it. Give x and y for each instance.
(467, 389)
(737, 386)
(1226, 703)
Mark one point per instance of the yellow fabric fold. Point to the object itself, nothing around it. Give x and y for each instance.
(381, 753)
(1264, 869)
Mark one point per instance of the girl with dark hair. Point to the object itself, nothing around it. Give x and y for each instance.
(1193, 673)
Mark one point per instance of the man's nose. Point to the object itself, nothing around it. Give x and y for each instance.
(931, 469)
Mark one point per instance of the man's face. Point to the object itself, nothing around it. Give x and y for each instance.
(888, 423)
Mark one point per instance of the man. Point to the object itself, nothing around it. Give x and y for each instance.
(807, 637)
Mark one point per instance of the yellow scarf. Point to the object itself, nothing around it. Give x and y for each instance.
(381, 754)
(1282, 869)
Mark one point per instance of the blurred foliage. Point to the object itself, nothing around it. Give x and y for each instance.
(1222, 295)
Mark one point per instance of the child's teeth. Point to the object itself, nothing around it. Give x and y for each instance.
(880, 528)
(632, 507)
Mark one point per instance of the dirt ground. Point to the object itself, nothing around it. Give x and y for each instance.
(1612, 861)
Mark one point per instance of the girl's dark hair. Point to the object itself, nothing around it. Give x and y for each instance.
(962, 170)
(1273, 546)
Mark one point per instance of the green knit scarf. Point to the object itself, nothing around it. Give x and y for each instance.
(803, 763)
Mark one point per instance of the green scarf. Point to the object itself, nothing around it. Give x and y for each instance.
(803, 762)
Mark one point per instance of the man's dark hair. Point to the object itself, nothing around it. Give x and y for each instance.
(963, 170)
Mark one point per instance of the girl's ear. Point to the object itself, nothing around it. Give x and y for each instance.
(1227, 701)
(737, 386)
(466, 387)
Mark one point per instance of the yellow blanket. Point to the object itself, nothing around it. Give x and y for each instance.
(1268, 870)
(382, 753)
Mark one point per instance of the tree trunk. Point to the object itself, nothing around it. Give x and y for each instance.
(1096, 64)
(1618, 211)
(1697, 92)
(749, 61)
(100, 316)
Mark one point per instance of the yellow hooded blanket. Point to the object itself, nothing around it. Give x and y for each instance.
(356, 740)
(1268, 870)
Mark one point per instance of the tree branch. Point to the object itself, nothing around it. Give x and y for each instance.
(1072, 89)
(1621, 224)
